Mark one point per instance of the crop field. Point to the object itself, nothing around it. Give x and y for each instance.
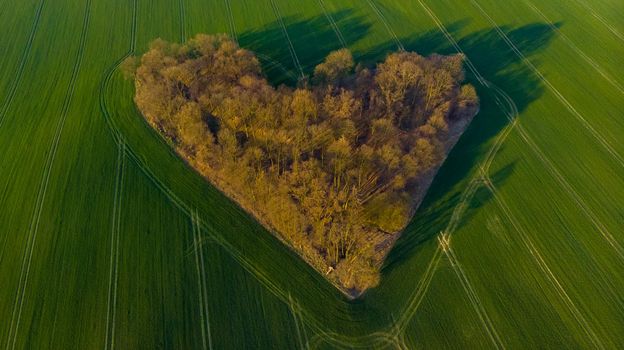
(108, 240)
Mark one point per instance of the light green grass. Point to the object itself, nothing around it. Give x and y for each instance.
(98, 246)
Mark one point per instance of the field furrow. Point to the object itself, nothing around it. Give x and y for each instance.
(109, 240)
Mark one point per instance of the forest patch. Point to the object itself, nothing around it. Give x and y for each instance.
(335, 167)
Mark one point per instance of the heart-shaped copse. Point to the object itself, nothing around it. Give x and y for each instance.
(335, 167)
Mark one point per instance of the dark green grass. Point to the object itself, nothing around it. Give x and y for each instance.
(560, 289)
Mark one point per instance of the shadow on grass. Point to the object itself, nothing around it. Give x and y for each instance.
(313, 38)
(497, 63)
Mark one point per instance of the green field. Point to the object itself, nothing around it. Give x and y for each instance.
(108, 240)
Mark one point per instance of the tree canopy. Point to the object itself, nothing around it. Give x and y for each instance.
(336, 166)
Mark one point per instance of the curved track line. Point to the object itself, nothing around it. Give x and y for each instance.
(531, 246)
(420, 291)
(597, 135)
(458, 213)
(235, 254)
(20, 70)
(175, 200)
(43, 188)
(373, 338)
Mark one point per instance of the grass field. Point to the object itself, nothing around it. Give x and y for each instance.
(107, 239)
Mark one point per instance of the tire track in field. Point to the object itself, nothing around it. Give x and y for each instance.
(576, 49)
(291, 47)
(385, 23)
(230, 17)
(376, 340)
(597, 135)
(425, 282)
(199, 284)
(111, 309)
(201, 281)
(293, 312)
(108, 75)
(419, 293)
(456, 216)
(529, 141)
(333, 24)
(579, 202)
(572, 308)
(458, 212)
(269, 62)
(565, 186)
(204, 284)
(232, 251)
(541, 263)
(512, 116)
(601, 19)
(20, 70)
(486, 322)
(423, 286)
(43, 188)
(118, 137)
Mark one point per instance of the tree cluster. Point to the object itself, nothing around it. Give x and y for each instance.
(335, 166)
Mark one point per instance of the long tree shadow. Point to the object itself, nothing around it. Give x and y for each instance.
(313, 38)
(495, 61)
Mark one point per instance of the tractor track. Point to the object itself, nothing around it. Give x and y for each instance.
(333, 24)
(576, 49)
(111, 309)
(291, 47)
(597, 135)
(20, 70)
(43, 188)
(383, 20)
